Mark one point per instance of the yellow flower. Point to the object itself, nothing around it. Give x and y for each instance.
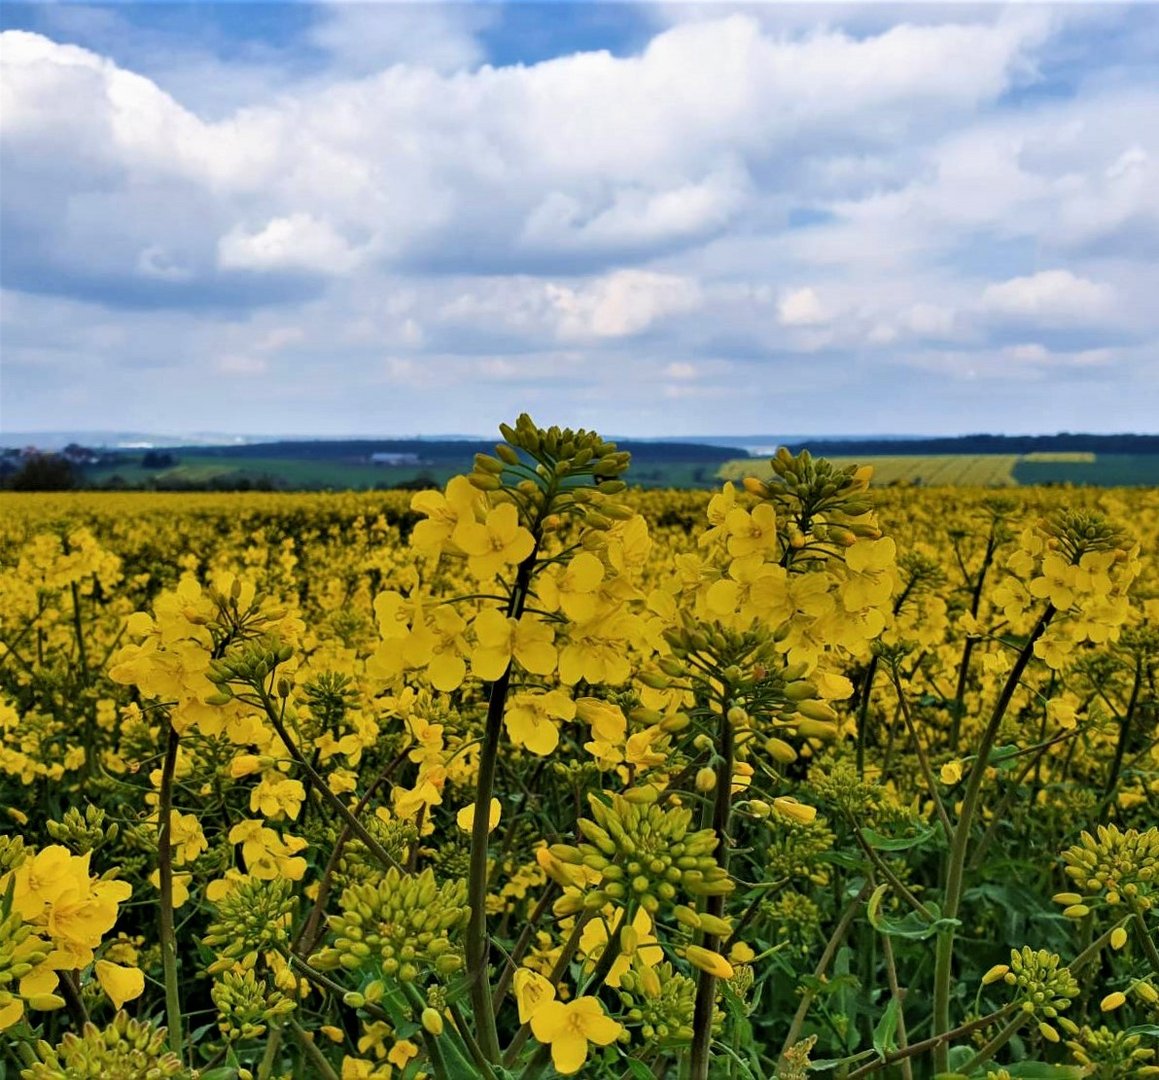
(444, 514)
(277, 795)
(180, 885)
(267, 855)
(799, 812)
(120, 983)
(532, 991)
(531, 719)
(498, 542)
(951, 773)
(402, 1052)
(573, 589)
(527, 639)
(741, 953)
(749, 534)
(569, 1027)
(466, 816)
(439, 646)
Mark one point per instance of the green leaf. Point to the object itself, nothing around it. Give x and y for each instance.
(639, 1070)
(1151, 1030)
(896, 843)
(912, 926)
(883, 1034)
(1003, 757)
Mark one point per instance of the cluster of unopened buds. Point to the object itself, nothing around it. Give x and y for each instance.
(1044, 986)
(643, 853)
(398, 926)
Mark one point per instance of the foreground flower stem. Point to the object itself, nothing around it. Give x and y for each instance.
(165, 883)
(317, 1059)
(1144, 936)
(827, 957)
(955, 871)
(996, 1043)
(477, 943)
(323, 789)
(932, 1043)
(706, 983)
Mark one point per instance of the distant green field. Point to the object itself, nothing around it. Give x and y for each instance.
(931, 470)
(283, 472)
(989, 470)
(1106, 470)
(328, 474)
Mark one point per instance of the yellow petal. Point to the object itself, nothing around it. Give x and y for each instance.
(120, 983)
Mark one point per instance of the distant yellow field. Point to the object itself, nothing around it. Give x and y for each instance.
(1067, 457)
(932, 470)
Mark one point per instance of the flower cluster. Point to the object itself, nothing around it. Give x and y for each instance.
(397, 927)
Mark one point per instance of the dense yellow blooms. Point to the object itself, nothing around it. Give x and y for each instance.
(714, 722)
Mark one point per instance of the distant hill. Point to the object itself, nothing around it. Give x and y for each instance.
(983, 444)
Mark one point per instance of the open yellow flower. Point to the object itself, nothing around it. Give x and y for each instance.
(120, 983)
(532, 991)
(569, 1027)
(466, 817)
(498, 542)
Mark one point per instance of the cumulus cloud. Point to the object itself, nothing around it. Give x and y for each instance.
(624, 303)
(1049, 297)
(801, 307)
(297, 242)
(884, 189)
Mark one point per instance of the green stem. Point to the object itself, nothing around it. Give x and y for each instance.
(955, 877)
(373, 846)
(477, 945)
(273, 1045)
(995, 1044)
(706, 983)
(1124, 735)
(165, 882)
(932, 1043)
(318, 1064)
(827, 956)
(1147, 940)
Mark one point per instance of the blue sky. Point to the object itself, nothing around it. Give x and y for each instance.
(661, 219)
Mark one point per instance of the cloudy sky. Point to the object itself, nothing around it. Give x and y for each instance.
(665, 219)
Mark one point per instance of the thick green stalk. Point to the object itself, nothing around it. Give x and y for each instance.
(706, 983)
(477, 945)
(955, 877)
(165, 882)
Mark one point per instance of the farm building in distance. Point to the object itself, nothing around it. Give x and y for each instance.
(384, 458)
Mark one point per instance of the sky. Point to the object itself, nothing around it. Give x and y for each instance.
(667, 219)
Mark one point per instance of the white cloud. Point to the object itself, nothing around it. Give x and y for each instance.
(297, 242)
(391, 213)
(801, 307)
(624, 303)
(1050, 297)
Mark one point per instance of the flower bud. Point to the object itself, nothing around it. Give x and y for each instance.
(709, 961)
